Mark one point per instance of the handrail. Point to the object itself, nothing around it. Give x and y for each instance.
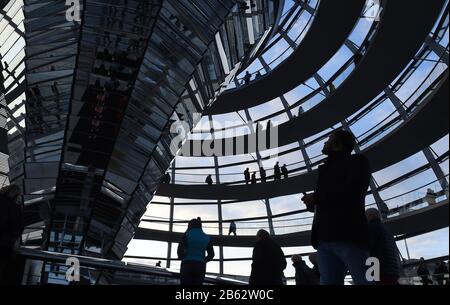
(103, 264)
(249, 220)
(382, 127)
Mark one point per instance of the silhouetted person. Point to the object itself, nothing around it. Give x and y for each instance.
(11, 229)
(247, 176)
(166, 179)
(277, 171)
(303, 274)
(340, 230)
(313, 259)
(382, 246)
(209, 180)
(254, 178)
(423, 272)
(232, 228)
(440, 272)
(285, 171)
(430, 197)
(268, 261)
(300, 111)
(247, 78)
(191, 251)
(262, 173)
(158, 264)
(258, 75)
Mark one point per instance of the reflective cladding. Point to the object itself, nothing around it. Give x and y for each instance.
(98, 97)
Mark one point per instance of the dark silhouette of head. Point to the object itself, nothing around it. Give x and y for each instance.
(296, 258)
(11, 191)
(313, 258)
(195, 223)
(339, 141)
(373, 214)
(262, 235)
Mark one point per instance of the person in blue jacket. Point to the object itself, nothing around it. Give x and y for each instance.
(191, 251)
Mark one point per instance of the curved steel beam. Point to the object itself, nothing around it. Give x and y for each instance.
(402, 31)
(408, 225)
(327, 34)
(429, 124)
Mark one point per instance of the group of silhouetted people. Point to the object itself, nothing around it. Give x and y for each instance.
(439, 273)
(278, 173)
(344, 234)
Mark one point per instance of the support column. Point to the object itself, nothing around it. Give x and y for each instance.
(321, 83)
(437, 49)
(258, 159)
(219, 202)
(305, 6)
(438, 172)
(301, 143)
(288, 39)
(290, 116)
(171, 213)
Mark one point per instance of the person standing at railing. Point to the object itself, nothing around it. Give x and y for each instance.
(247, 176)
(191, 252)
(285, 171)
(440, 272)
(166, 179)
(313, 259)
(209, 180)
(11, 229)
(268, 261)
(262, 173)
(424, 273)
(430, 197)
(254, 178)
(247, 78)
(340, 230)
(232, 228)
(303, 274)
(383, 246)
(277, 171)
